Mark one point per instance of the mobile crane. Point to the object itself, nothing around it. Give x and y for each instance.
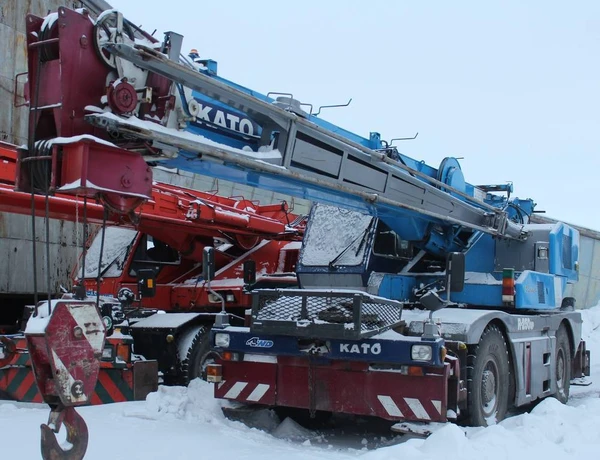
(182, 221)
(435, 300)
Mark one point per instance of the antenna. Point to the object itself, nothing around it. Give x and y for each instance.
(403, 139)
(331, 106)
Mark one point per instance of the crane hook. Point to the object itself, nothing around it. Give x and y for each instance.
(77, 435)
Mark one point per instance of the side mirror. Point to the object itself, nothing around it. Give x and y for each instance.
(208, 263)
(455, 272)
(249, 272)
(146, 282)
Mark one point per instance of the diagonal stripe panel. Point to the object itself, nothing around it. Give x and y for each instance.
(258, 392)
(390, 406)
(84, 317)
(438, 405)
(25, 385)
(417, 408)
(66, 380)
(235, 390)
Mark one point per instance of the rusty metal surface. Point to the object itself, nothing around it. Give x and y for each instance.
(144, 379)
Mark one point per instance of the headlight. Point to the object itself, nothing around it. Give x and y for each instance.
(421, 352)
(107, 353)
(221, 340)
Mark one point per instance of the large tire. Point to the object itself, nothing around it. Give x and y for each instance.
(562, 363)
(488, 379)
(193, 363)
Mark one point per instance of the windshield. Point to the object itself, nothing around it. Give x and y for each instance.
(335, 235)
(116, 246)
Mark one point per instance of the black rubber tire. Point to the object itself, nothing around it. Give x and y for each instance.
(488, 379)
(562, 363)
(193, 365)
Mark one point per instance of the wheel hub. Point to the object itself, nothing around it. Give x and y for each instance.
(560, 370)
(488, 387)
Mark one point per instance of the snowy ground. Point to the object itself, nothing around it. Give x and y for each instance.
(187, 423)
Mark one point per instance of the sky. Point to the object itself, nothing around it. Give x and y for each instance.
(512, 87)
(186, 423)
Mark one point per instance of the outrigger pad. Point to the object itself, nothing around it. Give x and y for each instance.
(581, 382)
(417, 429)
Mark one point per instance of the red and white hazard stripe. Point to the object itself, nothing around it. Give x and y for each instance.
(413, 408)
(243, 391)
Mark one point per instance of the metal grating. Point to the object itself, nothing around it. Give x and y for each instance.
(541, 292)
(567, 252)
(322, 314)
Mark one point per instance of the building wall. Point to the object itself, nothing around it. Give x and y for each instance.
(587, 291)
(16, 253)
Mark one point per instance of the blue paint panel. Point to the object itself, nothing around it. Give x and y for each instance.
(562, 255)
(480, 257)
(373, 350)
(536, 291)
(485, 295)
(397, 287)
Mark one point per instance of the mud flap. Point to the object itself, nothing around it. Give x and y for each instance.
(145, 379)
(581, 366)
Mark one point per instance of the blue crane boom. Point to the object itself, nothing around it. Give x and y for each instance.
(302, 155)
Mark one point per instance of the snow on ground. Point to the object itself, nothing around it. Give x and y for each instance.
(187, 423)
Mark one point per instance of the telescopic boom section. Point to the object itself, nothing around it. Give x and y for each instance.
(308, 160)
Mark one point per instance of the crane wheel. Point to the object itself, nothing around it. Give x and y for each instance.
(192, 364)
(488, 379)
(562, 361)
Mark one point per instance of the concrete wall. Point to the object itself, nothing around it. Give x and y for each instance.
(16, 253)
(587, 290)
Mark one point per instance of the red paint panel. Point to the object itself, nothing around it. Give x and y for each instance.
(341, 388)
(235, 375)
(361, 392)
